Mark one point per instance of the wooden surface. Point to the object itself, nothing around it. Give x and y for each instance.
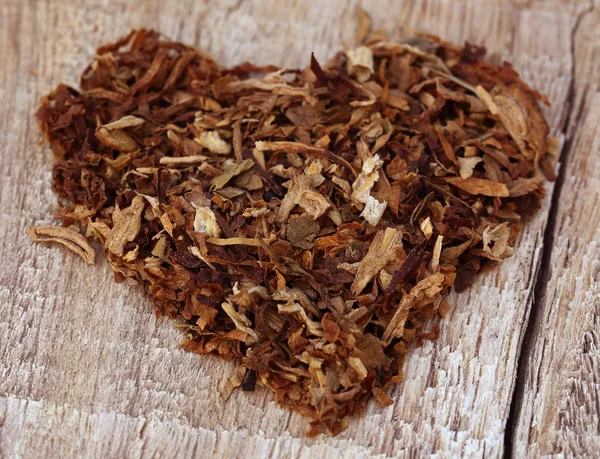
(87, 371)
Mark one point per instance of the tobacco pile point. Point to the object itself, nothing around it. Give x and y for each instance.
(306, 223)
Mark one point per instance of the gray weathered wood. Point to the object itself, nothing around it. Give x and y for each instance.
(87, 371)
(559, 402)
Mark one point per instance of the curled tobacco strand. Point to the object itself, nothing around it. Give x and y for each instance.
(70, 238)
(306, 223)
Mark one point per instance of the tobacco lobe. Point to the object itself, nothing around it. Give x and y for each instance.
(306, 223)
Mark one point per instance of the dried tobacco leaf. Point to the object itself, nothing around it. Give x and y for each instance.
(70, 238)
(467, 165)
(306, 223)
(518, 111)
(380, 253)
(301, 193)
(477, 186)
(127, 224)
(301, 231)
(213, 141)
(360, 63)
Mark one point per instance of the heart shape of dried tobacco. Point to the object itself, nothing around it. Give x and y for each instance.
(307, 222)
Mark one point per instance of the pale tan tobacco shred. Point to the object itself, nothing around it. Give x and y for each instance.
(380, 253)
(126, 226)
(71, 239)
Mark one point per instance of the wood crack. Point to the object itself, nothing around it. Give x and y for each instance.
(545, 267)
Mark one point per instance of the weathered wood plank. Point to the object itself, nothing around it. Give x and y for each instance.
(560, 397)
(85, 368)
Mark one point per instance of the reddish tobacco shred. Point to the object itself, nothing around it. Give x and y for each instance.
(306, 223)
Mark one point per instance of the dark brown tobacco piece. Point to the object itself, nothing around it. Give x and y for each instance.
(305, 223)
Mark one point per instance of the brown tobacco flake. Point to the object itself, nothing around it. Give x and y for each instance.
(213, 141)
(205, 222)
(479, 186)
(467, 165)
(231, 383)
(308, 223)
(126, 226)
(302, 231)
(381, 252)
(498, 237)
(518, 111)
(113, 136)
(360, 63)
(69, 238)
(289, 147)
(125, 122)
(183, 160)
(301, 193)
(419, 296)
(231, 170)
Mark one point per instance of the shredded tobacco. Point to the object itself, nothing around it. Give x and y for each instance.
(306, 223)
(68, 237)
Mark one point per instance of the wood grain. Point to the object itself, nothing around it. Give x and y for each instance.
(86, 370)
(559, 402)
